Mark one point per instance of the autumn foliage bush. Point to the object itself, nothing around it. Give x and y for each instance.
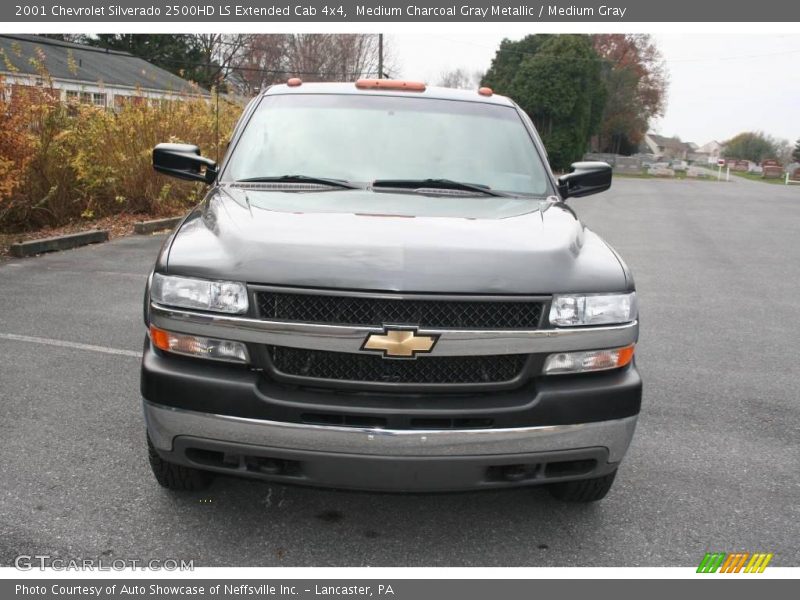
(64, 162)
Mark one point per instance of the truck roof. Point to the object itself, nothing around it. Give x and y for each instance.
(439, 93)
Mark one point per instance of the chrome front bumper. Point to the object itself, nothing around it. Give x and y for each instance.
(164, 424)
(387, 460)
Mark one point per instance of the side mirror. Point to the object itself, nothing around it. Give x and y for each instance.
(184, 162)
(585, 178)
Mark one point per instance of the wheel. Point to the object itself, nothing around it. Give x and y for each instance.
(176, 477)
(583, 490)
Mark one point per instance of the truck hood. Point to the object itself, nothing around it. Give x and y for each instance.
(366, 240)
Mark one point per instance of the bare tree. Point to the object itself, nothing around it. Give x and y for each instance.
(222, 54)
(355, 55)
(273, 58)
(784, 151)
(460, 78)
(263, 62)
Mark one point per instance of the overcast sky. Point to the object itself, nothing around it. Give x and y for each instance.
(720, 84)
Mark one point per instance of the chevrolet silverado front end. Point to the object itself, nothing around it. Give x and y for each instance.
(385, 290)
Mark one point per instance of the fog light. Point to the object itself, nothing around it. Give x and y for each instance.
(200, 347)
(587, 361)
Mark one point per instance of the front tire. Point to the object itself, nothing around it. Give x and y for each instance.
(176, 477)
(583, 490)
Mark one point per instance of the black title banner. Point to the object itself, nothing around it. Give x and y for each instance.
(575, 11)
(368, 589)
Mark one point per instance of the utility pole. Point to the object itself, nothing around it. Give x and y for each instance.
(216, 110)
(380, 56)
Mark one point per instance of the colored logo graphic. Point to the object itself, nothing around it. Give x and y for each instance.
(734, 563)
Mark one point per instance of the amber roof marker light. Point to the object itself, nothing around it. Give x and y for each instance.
(294, 82)
(390, 84)
(485, 91)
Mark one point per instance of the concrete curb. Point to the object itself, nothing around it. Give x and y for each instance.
(61, 242)
(147, 227)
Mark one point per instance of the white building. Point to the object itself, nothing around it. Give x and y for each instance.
(713, 149)
(81, 73)
(664, 148)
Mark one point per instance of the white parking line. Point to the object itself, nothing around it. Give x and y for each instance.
(61, 343)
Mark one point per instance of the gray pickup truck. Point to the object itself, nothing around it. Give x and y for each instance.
(384, 289)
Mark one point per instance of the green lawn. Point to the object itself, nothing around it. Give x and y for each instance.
(757, 177)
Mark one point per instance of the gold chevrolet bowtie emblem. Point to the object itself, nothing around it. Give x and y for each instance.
(399, 343)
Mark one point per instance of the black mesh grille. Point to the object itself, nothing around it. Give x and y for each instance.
(356, 310)
(341, 366)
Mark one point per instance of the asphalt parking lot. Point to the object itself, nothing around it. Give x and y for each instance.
(714, 465)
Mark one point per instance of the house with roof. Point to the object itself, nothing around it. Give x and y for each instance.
(666, 148)
(79, 73)
(707, 153)
(712, 148)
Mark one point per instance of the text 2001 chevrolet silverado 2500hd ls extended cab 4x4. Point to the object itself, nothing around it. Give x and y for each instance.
(385, 290)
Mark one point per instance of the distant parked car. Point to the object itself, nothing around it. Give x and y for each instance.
(679, 165)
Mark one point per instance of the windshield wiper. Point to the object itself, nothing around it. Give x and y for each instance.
(340, 183)
(438, 184)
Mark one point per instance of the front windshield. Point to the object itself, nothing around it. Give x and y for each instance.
(367, 138)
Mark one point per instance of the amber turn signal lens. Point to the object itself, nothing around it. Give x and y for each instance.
(588, 360)
(160, 338)
(625, 355)
(198, 346)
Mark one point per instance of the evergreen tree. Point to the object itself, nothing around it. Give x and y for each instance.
(556, 79)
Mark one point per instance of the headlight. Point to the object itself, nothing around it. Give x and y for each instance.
(200, 294)
(593, 309)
